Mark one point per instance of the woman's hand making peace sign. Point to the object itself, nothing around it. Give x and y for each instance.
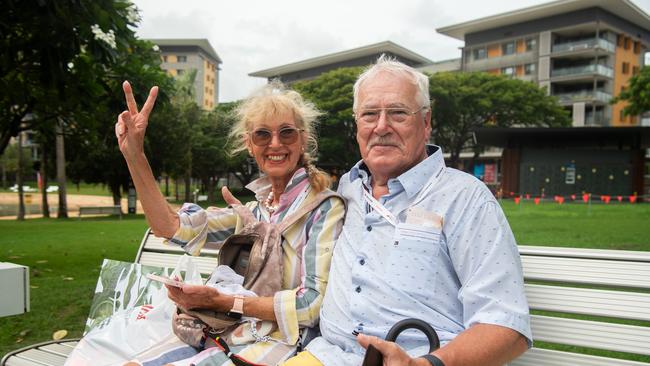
(132, 124)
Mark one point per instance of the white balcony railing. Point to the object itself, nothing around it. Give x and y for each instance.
(584, 70)
(584, 44)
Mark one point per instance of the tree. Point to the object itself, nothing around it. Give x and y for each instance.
(332, 93)
(465, 101)
(91, 146)
(637, 94)
(56, 58)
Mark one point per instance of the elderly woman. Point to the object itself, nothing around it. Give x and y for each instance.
(276, 126)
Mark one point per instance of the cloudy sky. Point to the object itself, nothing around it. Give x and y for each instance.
(252, 35)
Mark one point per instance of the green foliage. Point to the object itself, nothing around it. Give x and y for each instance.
(637, 93)
(57, 57)
(92, 152)
(465, 101)
(332, 93)
(9, 160)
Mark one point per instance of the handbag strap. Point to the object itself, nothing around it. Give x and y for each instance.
(306, 208)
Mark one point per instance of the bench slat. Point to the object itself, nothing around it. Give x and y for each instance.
(42, 357)
(624, 305)
(16, 361)
(585, 253)
(584, 333)
(587, 271)
(546, 357)
(205, 264)
(156, 244)
(58, 349)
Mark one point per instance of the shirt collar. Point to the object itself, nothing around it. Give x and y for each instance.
(262, 186)
(412, 180)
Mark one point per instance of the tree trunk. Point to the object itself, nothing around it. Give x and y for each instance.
(4, 176)
(60, 172)
(188, 183)
(176, 188)
(19, 179)
(45, 207)
(166, 185)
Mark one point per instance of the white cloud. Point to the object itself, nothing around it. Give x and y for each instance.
(252, 35)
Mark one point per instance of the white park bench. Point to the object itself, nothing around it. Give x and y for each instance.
(100, 210)
(557, 284)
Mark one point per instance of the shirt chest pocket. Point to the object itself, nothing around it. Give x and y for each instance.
(413, 259)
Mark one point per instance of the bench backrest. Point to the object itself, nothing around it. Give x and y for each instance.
(154, 252)
(586, 299)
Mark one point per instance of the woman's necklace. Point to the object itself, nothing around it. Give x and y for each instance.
(267, 203)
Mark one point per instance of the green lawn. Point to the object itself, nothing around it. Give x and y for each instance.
(57, 250)
(622, 226)
(64, 257)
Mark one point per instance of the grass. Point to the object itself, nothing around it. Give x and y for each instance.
(621, 226)
(59, 249)
(64, 257)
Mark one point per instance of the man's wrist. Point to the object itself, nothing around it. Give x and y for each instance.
(433, 360)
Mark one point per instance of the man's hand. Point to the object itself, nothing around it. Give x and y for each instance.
(199, 297)
(132, 124)
(393, 354)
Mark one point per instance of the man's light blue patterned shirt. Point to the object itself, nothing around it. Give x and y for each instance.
(468, 272)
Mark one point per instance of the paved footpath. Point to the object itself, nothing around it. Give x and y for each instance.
(74, 202)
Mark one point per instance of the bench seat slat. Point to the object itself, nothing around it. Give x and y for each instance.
(587, 271)
(17, 361)
(43, 357)
(585, 253)
(584, 333)
(205, 264)
(546, 357)
(57, 349)
(618, 304)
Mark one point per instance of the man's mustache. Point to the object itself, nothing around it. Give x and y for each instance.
(382, 141)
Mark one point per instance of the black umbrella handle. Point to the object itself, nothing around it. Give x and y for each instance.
(374, 358)
(411, 323)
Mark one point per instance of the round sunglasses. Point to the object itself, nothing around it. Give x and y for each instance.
(286, 135)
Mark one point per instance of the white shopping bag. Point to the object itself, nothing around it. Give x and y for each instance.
(141, 317)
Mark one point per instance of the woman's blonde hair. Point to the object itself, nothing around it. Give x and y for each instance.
(274, 99)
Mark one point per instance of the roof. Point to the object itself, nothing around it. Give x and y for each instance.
(202, 43)
(565, 136)
(623, 8)
(386, 46)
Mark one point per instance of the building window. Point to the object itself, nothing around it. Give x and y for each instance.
(627, 43)
(637, 47)
(625, 67)
(635, 70)
(508, 48)
(181, 59)
(164, 58)
(529, 69)
(480, 53)
(180, 72)
(530, 44)
(508, 71)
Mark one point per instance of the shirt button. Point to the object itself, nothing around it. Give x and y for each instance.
(369, 228)
(362, 261)
(358, 289)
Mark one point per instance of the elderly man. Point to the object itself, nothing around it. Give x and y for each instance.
(420, 240)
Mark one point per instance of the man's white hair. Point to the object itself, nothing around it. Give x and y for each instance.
(390, 64)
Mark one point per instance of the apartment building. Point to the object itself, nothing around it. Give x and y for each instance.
(583, 51)
(179, 56)
(361, 56)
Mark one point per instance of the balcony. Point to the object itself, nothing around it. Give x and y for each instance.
(583, 71)
(567, 98)
(598, 120)
(585, 44)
